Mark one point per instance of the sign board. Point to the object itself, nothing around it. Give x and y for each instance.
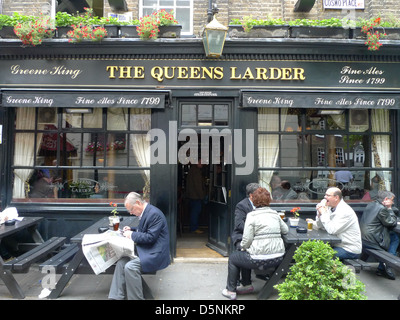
(343, 4)
(83, 99)
(322, 100)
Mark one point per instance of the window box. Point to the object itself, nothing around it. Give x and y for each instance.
(128, 31)
(319, 32)
(274, 31)
(171, 31)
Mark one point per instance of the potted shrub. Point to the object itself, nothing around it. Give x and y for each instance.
(7, 25)
(318, 275)
(159, 24)
(253, 28)
(390, 26)
(168, 25)
(83, 32)
(64, 23)
(294, 221)
(33, 32)
(325, 28)
(114, 219)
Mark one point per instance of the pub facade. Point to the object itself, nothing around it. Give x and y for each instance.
(84, 124)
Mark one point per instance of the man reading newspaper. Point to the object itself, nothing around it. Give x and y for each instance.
(151, 240)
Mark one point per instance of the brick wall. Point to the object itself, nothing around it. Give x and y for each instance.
(26, 7)
(230, 9)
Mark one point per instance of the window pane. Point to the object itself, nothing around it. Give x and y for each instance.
(94, 184)
(149, 3)
(268, 119)
(117, 119)
(221, 115)
(189, 115)
(93, 120)
(72, 120)
(183, 18)
(205, 114)
(380, 120)
(166, 3)
(291, 122)
(183, 3)
(290, 151)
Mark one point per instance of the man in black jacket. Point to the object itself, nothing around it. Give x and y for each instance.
(375, 224)
(242, 209)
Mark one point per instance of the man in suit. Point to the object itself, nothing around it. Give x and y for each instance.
(151, 239)
(243, 207)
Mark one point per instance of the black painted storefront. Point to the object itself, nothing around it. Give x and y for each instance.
(270, 73)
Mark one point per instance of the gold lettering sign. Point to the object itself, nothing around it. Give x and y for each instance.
(203, 73)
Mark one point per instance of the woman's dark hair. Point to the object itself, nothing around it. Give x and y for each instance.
(261, 198)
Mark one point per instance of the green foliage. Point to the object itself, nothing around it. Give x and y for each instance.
(319, 275)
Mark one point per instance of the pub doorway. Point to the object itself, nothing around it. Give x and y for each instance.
(202, 163)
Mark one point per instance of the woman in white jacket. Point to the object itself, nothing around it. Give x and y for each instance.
(262, 246)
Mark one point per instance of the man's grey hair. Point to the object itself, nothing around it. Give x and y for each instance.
(132, 197)
(251, 187)
(382, 194)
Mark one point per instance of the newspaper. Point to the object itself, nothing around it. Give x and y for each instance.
(104, 249)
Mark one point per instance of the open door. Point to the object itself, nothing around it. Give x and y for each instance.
(215, 218)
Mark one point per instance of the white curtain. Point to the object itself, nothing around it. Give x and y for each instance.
(24, 152)
(268, 145)
(381, 143)
(141, 120)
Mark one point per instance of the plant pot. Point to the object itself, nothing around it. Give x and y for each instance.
(294, 222)
(7, 32)
(128, 31)
(112, 31)
(319, 32)
(172, 31)
(113, 220)
(62, 32)
(392, 33)
(274, 31)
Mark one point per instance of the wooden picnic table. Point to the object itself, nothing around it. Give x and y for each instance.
(75, 265)
(292, 241)
(27, 223)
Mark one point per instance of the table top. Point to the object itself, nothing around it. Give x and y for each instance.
(18, 226)
(131, 221)
(294, 237)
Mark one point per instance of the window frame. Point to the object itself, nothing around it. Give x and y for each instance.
(142, 6)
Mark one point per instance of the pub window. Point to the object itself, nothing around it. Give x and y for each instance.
(204, 115)
(99, 155)
(183, 10)
(306, 147)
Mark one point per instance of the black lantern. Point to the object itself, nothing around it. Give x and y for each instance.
(214, 38)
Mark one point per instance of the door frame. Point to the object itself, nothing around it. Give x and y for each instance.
(222, 246)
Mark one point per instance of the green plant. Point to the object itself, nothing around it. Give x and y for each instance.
(133, 22)
(318, 275)
(295, 212)
(373, 36)
(114, 211)
(83, 32)
(148, 27)
(166, 18)
(64, 19)
(6, 21)
(33, 32)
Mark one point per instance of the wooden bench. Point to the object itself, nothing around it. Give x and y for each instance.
(22, 263)
(357, 264)
(383, 256)
(58, 261)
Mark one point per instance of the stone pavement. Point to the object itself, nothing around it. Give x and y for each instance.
(185, 279)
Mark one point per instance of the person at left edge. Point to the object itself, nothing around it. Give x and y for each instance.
(152, 244)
